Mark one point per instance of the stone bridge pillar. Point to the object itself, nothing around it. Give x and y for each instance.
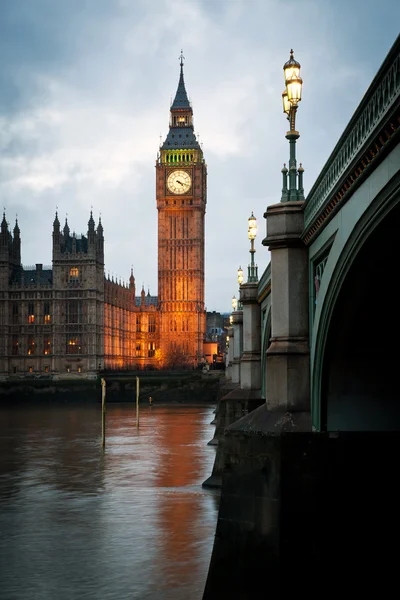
(288, 368)
(250, 367)
(237, 326)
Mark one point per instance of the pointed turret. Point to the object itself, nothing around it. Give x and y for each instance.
(16, 229)
(91, 223)
(100, 239)
(56, 237)
(56, 224)
(142, 296)
(91, 233)
(16, 244)
(4, 240)
(4, 226)
(66, 228)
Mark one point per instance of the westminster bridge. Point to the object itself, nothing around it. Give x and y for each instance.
(307, 450)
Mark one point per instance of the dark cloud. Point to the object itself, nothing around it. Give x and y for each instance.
(85, 91)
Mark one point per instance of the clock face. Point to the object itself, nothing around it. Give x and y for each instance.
(179, 182)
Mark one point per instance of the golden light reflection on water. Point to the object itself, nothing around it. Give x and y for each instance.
(129, 522)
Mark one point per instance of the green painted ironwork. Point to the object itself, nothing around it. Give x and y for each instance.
(380, 97)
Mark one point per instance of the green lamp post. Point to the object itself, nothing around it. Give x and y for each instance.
(291, 96)
(240, 281)
(252, 275)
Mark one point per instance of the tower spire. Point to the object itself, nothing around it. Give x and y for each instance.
(181, 101)
(181, 134)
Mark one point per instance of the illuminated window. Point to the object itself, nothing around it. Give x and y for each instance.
(74, 273)
(138, 323)
(79, 369)
(151, 349)
(68, 368)
(31, 346)
(47, 317)
(137, 349)
(30, 369)
(31, 312)
(46, 369)
(46, 346)
(73, 345)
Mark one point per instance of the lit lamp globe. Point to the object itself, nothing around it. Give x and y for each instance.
(286, 103)
(293, 81)
(252, 230)
(240, 276)
(234, 303)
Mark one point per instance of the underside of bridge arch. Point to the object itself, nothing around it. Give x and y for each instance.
(361, 367)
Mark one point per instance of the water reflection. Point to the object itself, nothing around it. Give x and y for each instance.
(132, 522)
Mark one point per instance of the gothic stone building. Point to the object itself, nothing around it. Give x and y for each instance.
(69, 320)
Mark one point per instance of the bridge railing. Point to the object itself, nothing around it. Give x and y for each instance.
(381, 96)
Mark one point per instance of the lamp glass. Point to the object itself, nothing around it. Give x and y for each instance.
(234, 303)
(285, 102)
(291, 71)
(294, 88)
(252, 231)
(240, 275)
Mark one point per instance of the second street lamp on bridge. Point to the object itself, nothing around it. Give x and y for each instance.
(252, 275)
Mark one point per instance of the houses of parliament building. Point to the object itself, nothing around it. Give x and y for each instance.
(72, 321)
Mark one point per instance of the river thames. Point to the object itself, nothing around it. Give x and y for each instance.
(129, 522)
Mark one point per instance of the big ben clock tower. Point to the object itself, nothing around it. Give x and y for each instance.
(181, 188)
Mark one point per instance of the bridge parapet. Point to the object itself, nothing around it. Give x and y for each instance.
(264, 285)
(373, 124)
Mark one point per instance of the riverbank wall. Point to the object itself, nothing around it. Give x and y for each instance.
(162, 387)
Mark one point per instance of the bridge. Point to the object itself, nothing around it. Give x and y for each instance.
(306, 425)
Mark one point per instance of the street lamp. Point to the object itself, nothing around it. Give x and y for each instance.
(240, 281)
(291, 97)
(252, 275)
(234, 303)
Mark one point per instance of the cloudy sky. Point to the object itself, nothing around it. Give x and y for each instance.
(85, 90)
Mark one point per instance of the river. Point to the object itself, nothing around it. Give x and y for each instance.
(130, 522)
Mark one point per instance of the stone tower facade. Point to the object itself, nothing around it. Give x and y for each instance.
(181, 191)
(78, 286)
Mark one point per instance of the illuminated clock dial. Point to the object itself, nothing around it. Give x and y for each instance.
(179, 182)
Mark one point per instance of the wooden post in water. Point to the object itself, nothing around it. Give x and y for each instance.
(103, 412)
(137, 401)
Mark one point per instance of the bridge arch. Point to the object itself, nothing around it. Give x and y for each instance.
(354, 375)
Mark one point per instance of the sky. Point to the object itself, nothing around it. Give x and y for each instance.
(85, 91)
